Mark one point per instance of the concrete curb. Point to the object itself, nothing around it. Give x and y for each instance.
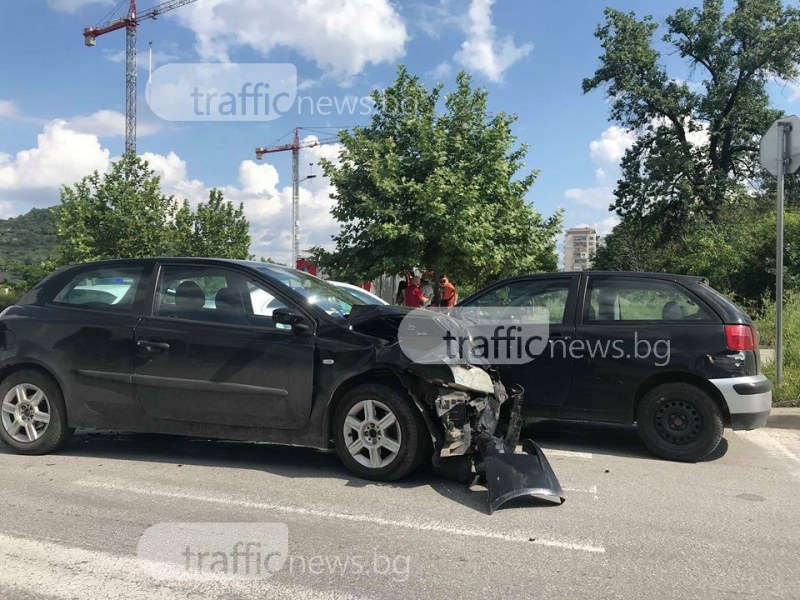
(784, 418)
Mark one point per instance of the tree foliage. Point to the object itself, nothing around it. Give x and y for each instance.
(436, 190)
(216, 228)
(697, 147)
(736, 254)
(124, 214)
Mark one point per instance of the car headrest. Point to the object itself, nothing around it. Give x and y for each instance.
(189, 296)
(228, 300)
(671, 311)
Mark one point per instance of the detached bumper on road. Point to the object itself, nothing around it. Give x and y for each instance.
(749, 400)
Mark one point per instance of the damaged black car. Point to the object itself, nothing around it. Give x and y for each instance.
(250, 351)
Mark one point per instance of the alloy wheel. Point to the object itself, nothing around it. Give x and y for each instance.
(372, 434)
(25, 413)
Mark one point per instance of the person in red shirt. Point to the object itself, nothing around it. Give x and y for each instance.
(414, 296)
(449, 292)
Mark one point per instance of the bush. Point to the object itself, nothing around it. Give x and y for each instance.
(8, 297)
(789, 392)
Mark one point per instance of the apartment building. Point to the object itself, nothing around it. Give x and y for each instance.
(580, 244)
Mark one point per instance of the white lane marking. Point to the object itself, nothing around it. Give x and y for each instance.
(778, 443)
(590, 490)
(54, 570)
(568, 453)
(431, 526)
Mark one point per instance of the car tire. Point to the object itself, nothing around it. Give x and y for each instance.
(32, 406)
(680, 421)
(378, 433)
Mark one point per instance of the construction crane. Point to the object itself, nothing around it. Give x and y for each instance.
(130, 22)
(295, 148)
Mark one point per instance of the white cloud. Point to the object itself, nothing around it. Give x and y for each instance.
(611, 146)
(604, 226)
(482, 51)
(267, 203)
(109, 123)
(6, 209)
(8, 110)
(72, 6)
(61, 156)
(442, 70)
(594, 197)
(341, 37)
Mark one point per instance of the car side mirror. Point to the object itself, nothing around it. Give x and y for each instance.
(287, 316)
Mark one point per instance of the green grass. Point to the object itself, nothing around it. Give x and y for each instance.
(789, 392)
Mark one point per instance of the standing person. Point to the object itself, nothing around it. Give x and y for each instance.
(400, 296)
(427, 291)
(449, 292)
(414, 296)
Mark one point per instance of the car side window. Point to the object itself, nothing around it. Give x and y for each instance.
(630, 299)
(214, 295)
(551, 294)
(104, 288)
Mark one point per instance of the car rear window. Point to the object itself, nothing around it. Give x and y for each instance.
(630, 299)
(105, 288)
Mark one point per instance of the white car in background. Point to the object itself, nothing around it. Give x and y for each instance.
(360, 293)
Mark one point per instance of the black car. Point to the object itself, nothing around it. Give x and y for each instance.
(666, 352)
(248, 351)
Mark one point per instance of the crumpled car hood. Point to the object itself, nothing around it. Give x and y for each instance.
(474, 424)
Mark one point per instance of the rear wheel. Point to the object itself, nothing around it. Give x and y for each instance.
(33, 416)
(378, 434)
(679, 421)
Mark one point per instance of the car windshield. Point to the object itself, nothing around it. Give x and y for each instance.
(359, 293)
(337, 302)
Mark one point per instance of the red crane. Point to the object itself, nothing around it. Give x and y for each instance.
(295, 147)
(130, 22)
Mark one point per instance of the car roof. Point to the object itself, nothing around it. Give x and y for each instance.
(251, 264)
(687, 279)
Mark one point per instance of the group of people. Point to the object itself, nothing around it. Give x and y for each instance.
(419, 293)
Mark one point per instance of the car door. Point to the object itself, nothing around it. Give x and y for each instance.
(629, 329)
(546, 378)
(90, 321)
(211, 353)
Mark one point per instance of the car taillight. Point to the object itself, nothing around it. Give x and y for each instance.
(740, 337)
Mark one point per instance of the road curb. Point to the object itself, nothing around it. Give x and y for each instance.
(784, 418)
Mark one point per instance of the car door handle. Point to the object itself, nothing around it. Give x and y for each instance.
(561, 336)
(151, 346)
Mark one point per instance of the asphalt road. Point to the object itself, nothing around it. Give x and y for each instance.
(633, 527)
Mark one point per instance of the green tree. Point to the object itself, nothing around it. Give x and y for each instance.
(442, 191)
(696, 147)
(217, 229)
(124, 214)
(120, 214)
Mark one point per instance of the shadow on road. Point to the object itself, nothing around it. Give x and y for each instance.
(597, 438)
(602, 439)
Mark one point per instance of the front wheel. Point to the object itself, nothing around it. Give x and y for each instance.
(378, 433)
(679, 421)
(33, 416)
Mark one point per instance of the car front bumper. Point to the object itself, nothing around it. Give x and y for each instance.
(749, 400)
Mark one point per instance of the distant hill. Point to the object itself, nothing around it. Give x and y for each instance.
(28, 238)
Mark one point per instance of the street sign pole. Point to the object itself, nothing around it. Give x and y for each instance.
(780, 155)
(784, 130)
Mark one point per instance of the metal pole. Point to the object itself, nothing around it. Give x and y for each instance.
(783, 130)
(295, 199)
(150, 75)
(130, 87)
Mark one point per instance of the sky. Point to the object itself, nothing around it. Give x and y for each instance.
(62, 103)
